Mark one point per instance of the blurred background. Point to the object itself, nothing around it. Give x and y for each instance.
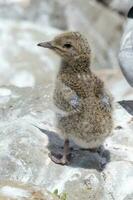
(24, 23)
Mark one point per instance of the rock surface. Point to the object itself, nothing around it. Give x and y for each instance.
(10, 190)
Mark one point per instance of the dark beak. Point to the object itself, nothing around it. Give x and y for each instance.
(45, 45)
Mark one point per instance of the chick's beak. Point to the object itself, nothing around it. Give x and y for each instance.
(45, 45)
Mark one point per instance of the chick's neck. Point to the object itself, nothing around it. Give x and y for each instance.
(70, 74)
(75, 66)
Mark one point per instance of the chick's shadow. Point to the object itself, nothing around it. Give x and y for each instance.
(80, 158)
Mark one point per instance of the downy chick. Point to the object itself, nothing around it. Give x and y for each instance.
(80, 94)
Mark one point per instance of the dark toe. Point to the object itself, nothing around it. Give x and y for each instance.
(59, 159)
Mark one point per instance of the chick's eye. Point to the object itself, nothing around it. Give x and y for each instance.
(67, 45)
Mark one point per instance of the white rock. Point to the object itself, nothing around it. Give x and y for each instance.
(5, 92)
(23, 79)
(13, 192)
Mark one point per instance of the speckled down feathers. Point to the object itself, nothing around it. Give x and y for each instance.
(82, 95)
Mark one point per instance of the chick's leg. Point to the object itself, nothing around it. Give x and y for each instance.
(62, 159)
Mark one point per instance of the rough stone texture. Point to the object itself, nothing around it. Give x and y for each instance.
(10, 190)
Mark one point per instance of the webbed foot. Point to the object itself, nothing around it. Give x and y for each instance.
(62, 159)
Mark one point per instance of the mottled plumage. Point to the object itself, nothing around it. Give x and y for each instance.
(80, 94)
